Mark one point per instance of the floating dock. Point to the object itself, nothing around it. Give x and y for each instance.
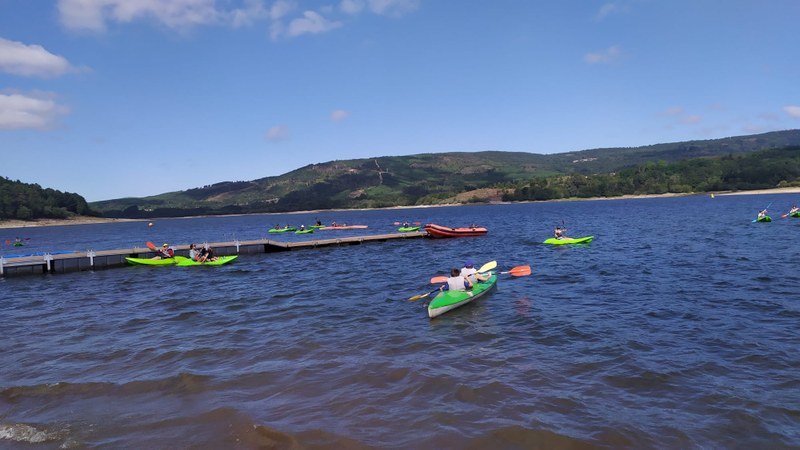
(101, 259)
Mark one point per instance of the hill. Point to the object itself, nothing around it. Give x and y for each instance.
(25, 201)
(421, 179)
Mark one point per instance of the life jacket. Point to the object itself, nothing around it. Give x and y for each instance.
(456, 283)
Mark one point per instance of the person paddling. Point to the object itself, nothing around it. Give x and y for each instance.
(456, 281)
(165, 252)
(471, 272)
(558, 233)
(762, 214)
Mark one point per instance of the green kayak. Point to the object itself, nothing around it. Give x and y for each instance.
(583, 240)
(447, 300)
(310, 230)
(763, 219)
(794, 214)
(217, 262)
(153, 262)
(407, 229)
(281, 230)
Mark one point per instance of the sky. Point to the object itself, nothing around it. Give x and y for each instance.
(130, 98)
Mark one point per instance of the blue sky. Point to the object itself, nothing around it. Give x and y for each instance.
(128, 98)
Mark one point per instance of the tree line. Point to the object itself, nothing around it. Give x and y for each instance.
(758, 170)
(26, 201)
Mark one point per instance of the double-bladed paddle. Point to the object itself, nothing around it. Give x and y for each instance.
(484, 268)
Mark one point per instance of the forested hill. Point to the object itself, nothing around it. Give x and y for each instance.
(425, 178)
(25, 201)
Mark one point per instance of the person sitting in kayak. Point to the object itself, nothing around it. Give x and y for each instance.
(456, 281)
(164, 252)
(762, 213)
(193, 253)
(302, 227)
(206, 254)
(470, 271)
(794, 209)
(558, 233)
(406, 225)
(319, 223)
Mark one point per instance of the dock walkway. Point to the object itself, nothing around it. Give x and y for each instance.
(91, 260)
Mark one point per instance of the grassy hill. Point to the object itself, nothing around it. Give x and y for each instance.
(420, 179)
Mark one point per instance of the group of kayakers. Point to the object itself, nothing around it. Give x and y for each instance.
(202, 255)
(762, 215)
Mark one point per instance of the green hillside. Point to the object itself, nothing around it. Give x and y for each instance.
(26, 201)
(422, 179)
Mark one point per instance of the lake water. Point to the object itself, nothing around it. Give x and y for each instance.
(677, 327)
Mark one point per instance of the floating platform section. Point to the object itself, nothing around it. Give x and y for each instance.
(101, 259)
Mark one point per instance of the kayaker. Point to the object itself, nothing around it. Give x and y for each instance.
(206, 254)
(762, 213)
(794, 209)
(456, 281)
(559, 232)
(302, 227)
(164, 252)
(406, 225)
(470, 271)
(193, 253)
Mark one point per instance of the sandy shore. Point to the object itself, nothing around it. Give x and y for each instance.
(81, 220)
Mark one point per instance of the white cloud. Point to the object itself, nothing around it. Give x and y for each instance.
(278, 133)
(31, 60)
(610, 8)
(793, 111)
(253, 10)
(37, 111)
(92, 15)
(606, 56)
(392, 7)
(280, 9)
(311, 22)
(339, 115)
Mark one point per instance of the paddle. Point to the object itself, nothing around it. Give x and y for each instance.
(519, 271)
(417, 297)
(765, 212)
(484, 268)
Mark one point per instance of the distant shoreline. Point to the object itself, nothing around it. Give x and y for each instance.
(84, 220)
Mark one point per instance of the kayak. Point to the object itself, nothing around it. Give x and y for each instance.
(281, 230)
(795, 214)
(310, 230)
(447, 300)
(763, 219)
(217, 262)
(317, 226)
(583, 240)
(439, 231)
(407, 229)
(153, 262)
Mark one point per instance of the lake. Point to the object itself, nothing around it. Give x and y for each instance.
(677, 327)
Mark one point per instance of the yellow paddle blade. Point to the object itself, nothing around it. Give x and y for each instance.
(488, 266)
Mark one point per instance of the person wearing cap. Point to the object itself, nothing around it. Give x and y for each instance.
(165, 252)
(471, 272)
